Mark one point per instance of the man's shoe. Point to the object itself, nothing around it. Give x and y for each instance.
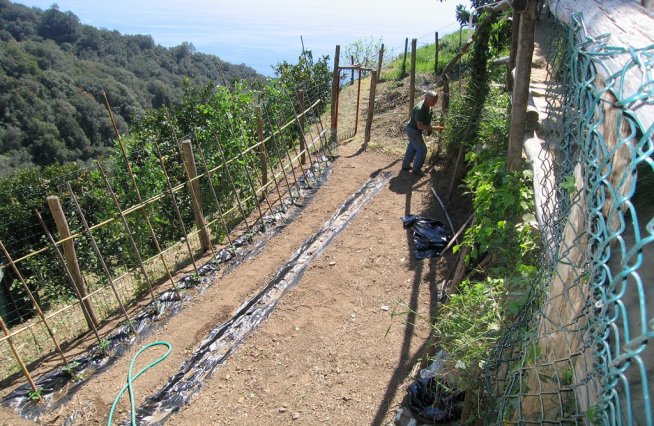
(417, 173)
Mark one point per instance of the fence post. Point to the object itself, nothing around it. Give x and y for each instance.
(303, 142)
(381, 61)
(22, 365)
(352, 77)
(371, 108)
(71, 258)
(200, 222)
(412, 84)
(262, 149)
(436, 47)
(521, 85)
(406, 47)
(335, 84)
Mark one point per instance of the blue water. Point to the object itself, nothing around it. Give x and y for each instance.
(261, 33)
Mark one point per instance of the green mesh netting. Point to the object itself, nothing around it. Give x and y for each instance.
(578, 352)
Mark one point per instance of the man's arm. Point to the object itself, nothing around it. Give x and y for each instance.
(426, 128)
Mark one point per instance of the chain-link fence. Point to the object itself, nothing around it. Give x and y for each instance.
(580, 351)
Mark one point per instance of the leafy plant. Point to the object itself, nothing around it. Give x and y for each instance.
(35, 395)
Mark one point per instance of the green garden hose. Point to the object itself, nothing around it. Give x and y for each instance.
(131, 379)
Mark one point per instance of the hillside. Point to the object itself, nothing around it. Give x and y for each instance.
(54, 70)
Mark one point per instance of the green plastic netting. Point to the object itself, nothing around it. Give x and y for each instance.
(580, 351)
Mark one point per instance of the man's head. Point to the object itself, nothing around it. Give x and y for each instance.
(431, 98)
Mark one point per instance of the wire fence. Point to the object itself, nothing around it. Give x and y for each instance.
(580, 351)
(115, 234)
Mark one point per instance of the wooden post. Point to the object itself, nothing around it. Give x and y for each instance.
(262, 149)
(335, 83)
(352, 77)
(412, 84)
(196, 202)
(19, 360)
(381, 61)
(303, 142)
(515, 36)
(445, 104)
(436, 47)
(521, 86)
(371, 108)
(71, 258)
(406, 48)
(105, 269)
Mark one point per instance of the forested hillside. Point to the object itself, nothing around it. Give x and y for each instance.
(54, 70)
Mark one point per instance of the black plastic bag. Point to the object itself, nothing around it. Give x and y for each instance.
(429, 236)
(432, 400)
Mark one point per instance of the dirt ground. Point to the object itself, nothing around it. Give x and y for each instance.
(341, 347)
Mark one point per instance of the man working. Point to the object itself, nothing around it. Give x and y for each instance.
(420, 121)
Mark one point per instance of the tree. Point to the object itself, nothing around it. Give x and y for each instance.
(59, 26)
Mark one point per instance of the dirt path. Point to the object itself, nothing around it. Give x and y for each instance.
(332, 351)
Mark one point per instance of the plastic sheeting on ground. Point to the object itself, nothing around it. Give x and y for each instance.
(429, 236)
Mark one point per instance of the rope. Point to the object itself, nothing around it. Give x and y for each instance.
(130, 379)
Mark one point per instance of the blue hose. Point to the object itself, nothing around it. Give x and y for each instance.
(131, 379)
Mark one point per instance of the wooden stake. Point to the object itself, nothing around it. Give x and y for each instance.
(380, 61)
(194, 189)
(335, 86)
(521, 85)
(71, 258)
(412, 84)
(97, 251)
(177, 212)
(128, 231)
(19, 360)
(406, 49)
(263, 163)
(352, 77)
(35, 304)
(303, 142)
(371, 108)
(436, 48)
(68, 275)
(213, 192)
(144, 210)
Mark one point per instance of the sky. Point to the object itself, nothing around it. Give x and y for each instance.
(261, 33)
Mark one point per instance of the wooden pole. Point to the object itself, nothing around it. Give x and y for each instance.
(371, 108)
(406, 49)
(263, 162)
(352, 77)
(412, 84)
(231, 182)
(19, 360)
(436, 48)
(264, 156)
(35, 304)
(213, 192)
(60, 256)
(303, 142)
(71, 258)
(334, 106)
(194, 189)
(380, 61)
(144, 210)
(521, 85)
(356, 114)
(128, 231)
(515, 36)
(176, 206)
(105, 269)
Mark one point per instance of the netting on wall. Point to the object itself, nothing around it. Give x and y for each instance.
(580, 351)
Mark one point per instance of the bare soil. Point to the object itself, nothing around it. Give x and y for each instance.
(342, 346)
